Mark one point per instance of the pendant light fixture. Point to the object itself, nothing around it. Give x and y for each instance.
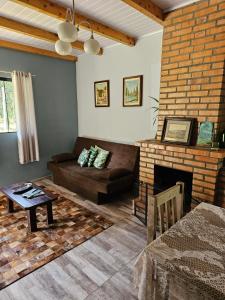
(63, 48)
(92, 46)
(68, 33)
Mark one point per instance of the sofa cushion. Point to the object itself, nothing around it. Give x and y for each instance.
(107, 174)
(92, 156)
(117, 173)
(63, 157)
(96, 174)
(83, 157)
(101, 158)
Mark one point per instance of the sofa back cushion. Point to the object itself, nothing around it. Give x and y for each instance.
(121, 155)
(83, 157)
(101, 158)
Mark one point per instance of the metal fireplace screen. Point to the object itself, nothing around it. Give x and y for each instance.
(140, 204)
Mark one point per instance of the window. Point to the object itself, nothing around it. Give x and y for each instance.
(7, 106)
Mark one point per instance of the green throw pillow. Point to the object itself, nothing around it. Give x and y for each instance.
(101, 158)
(83, 157)
(93, 153)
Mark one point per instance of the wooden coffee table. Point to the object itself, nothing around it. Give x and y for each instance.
(30, 205)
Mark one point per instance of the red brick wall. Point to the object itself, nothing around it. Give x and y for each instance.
(192, 78)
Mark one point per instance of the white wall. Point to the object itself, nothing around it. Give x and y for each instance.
(118, 123)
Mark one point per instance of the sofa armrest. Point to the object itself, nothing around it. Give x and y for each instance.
(63, 157)
(118, 172)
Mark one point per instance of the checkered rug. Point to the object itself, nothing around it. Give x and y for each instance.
(22, 252)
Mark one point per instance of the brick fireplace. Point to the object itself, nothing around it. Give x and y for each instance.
(205, 165)
(192, 85)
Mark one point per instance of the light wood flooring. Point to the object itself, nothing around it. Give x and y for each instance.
(99, 269)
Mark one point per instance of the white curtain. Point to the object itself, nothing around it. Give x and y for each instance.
(25, 117)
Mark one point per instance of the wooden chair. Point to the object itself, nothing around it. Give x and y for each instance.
(167, 207)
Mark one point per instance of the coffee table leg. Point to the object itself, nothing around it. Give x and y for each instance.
(10, 206)
(49, 214)
(32, 220)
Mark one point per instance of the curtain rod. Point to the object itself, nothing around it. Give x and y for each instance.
(7, 72)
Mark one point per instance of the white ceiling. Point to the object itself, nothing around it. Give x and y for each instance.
(114, 13)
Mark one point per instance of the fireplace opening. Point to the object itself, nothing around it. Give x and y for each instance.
(165, 178)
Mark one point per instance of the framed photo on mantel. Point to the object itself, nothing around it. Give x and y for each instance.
(178, 130)
(205, 135)
(101, 93)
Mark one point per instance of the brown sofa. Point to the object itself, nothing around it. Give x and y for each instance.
(118, 175)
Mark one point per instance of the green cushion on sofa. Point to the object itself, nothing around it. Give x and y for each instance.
(83, 157)
(101, 158)
(92, 156)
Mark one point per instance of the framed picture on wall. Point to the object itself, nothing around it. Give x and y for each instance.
(132, 91)
(178, 130)
(101, 93)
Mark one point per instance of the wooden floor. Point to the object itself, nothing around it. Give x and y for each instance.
(101, 268)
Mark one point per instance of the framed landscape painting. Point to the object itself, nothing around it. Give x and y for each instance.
(132, 91)
(101, 93)
(178, 130)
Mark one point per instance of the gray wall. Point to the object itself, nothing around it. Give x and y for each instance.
(56, 113)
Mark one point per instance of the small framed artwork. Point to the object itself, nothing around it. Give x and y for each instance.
(178, 130)
(132, 91)
(101, 93)
(205, 135)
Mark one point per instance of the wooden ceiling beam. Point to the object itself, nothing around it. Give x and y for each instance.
(57, 11)
(36, 32)
(147, 8)
(34, 50)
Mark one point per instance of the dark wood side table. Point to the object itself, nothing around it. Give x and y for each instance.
(30, 205)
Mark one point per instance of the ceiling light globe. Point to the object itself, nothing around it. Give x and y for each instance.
(92, 46)
(67, 32)
(63, 48)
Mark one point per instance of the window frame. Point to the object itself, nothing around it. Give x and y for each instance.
(7, 79)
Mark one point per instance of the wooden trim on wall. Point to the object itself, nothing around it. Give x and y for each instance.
(33, 50)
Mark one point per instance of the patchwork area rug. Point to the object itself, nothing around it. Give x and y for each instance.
(22, 252)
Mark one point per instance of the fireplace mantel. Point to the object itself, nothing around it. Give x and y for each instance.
(204, 163)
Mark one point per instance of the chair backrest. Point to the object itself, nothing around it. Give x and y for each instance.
(167, 207)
